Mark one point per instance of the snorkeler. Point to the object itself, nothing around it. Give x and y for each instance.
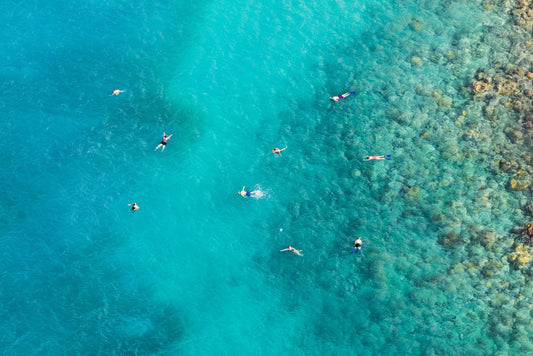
(163, 142)
(336, 98)
(277, 150)
(358, 245)
(372, 158)
(116, 92)
(293, 250)
(134, 207)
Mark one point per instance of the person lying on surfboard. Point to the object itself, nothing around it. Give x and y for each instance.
(336, 98)
(372, 158)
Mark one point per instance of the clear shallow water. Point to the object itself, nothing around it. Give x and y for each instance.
(197, 270)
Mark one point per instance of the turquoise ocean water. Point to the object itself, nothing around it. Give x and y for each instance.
(197, 270)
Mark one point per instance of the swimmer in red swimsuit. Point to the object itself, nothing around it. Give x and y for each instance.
(375, 158)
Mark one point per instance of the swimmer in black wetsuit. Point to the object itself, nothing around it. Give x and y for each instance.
(358, 245)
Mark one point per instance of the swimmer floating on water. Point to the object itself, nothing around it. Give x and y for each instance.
(277, 150)
(293, 250)
(116, 92)
(358, 245)
(254, 193)
(375, 158)
(163, 142)
(336, 98)
(243, 193)
(134, 207)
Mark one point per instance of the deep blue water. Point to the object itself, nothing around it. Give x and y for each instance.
(197, 270)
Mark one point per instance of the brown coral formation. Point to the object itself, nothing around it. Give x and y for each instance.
(527, 233)
(508, 86)
(521, 255)
(524, 14)
(482, 83)
(479, 87)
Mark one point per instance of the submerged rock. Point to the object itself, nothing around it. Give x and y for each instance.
(508, 166)
(518, 185)
(458, 268)
(507, 87)
(416, 61)
(487, 238)
(482, 83)
(412, 191)
(416, 25)
(513, 134)
(529, 209)
(479, 87)
(450, 239)
(520, 256)
(526, 233)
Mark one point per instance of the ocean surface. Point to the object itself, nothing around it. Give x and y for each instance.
(197, 270)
